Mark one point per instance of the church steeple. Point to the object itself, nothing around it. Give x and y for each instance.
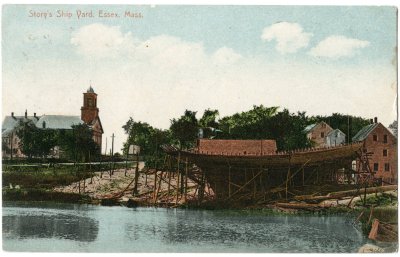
(89, 110)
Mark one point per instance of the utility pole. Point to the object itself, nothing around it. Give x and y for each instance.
(126, 161)
(112, 152)
(105, 151)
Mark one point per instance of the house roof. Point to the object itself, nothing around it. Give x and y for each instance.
(364, 132)
(10, 122)
(6, 132)
(335, 133)
(309, 128)
(58, 121)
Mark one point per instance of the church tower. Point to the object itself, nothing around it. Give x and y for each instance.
(89, 110)
(90, 115)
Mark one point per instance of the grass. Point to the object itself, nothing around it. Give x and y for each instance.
(43, 195)
(384, 209)
(37, 186)
(41, 180)
(381, 199)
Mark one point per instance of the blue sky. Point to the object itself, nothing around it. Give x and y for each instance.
(315, 59)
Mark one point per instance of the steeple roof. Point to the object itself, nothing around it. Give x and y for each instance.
(90, 90)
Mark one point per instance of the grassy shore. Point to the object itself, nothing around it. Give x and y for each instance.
(38, 186)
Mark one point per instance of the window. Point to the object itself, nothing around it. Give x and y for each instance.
(384, 138)
(323, 125)
(376, 166)
(385, 152)
(375, 137)
(387, 167)
(322, 134)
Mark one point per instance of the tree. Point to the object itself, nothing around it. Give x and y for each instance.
(185, 129)
(78, 143)
(248, 125)
(393, 127)
(35, 142)
(208, 122)
(145, 136)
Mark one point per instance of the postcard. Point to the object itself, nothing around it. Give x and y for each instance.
(199, 129)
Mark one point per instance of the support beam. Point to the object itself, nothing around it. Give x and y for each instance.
(177, 182)
(229, 182)
(186, 179)
(248, 182)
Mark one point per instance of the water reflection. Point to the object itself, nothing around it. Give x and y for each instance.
(36, 227)
(70, 227)
(263, 233)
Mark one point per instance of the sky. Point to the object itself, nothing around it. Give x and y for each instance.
(166, 59)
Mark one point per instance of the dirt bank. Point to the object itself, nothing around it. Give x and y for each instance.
(120, 186)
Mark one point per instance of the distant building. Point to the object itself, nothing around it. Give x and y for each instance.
(335, 137)
(382, 145)
(317, 133)
(89, 115)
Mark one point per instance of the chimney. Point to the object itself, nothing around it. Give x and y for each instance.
(26, 113)
(371, 121)
(34, 114)
(376, 120)
(12, 114)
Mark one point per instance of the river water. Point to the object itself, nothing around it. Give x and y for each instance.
(53, 227)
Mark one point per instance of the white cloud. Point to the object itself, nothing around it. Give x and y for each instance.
(338, 46)
(289, 37)
(169, 51)
(225, 55)
(98, 40)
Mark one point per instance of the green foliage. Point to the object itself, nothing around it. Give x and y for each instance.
(248, 125)
(267, 123)
(35, 142)
(209, 123)
(185, 129)
(393, 127)
(148, 138)
(78, 143)
(258, 123)
(380, 199)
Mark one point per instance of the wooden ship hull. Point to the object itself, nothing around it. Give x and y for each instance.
(257, 177)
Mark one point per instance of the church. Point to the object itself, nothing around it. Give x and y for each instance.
(89, 116)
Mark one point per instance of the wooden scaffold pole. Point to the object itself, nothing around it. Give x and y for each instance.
(287, 179)
(177, 183)
(169, 176)
(186, 180)
(229, 181)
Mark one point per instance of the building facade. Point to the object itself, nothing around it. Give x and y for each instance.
(381, 145)
(335, 138)
(317, 133)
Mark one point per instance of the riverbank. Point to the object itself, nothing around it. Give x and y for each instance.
(153, 189)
